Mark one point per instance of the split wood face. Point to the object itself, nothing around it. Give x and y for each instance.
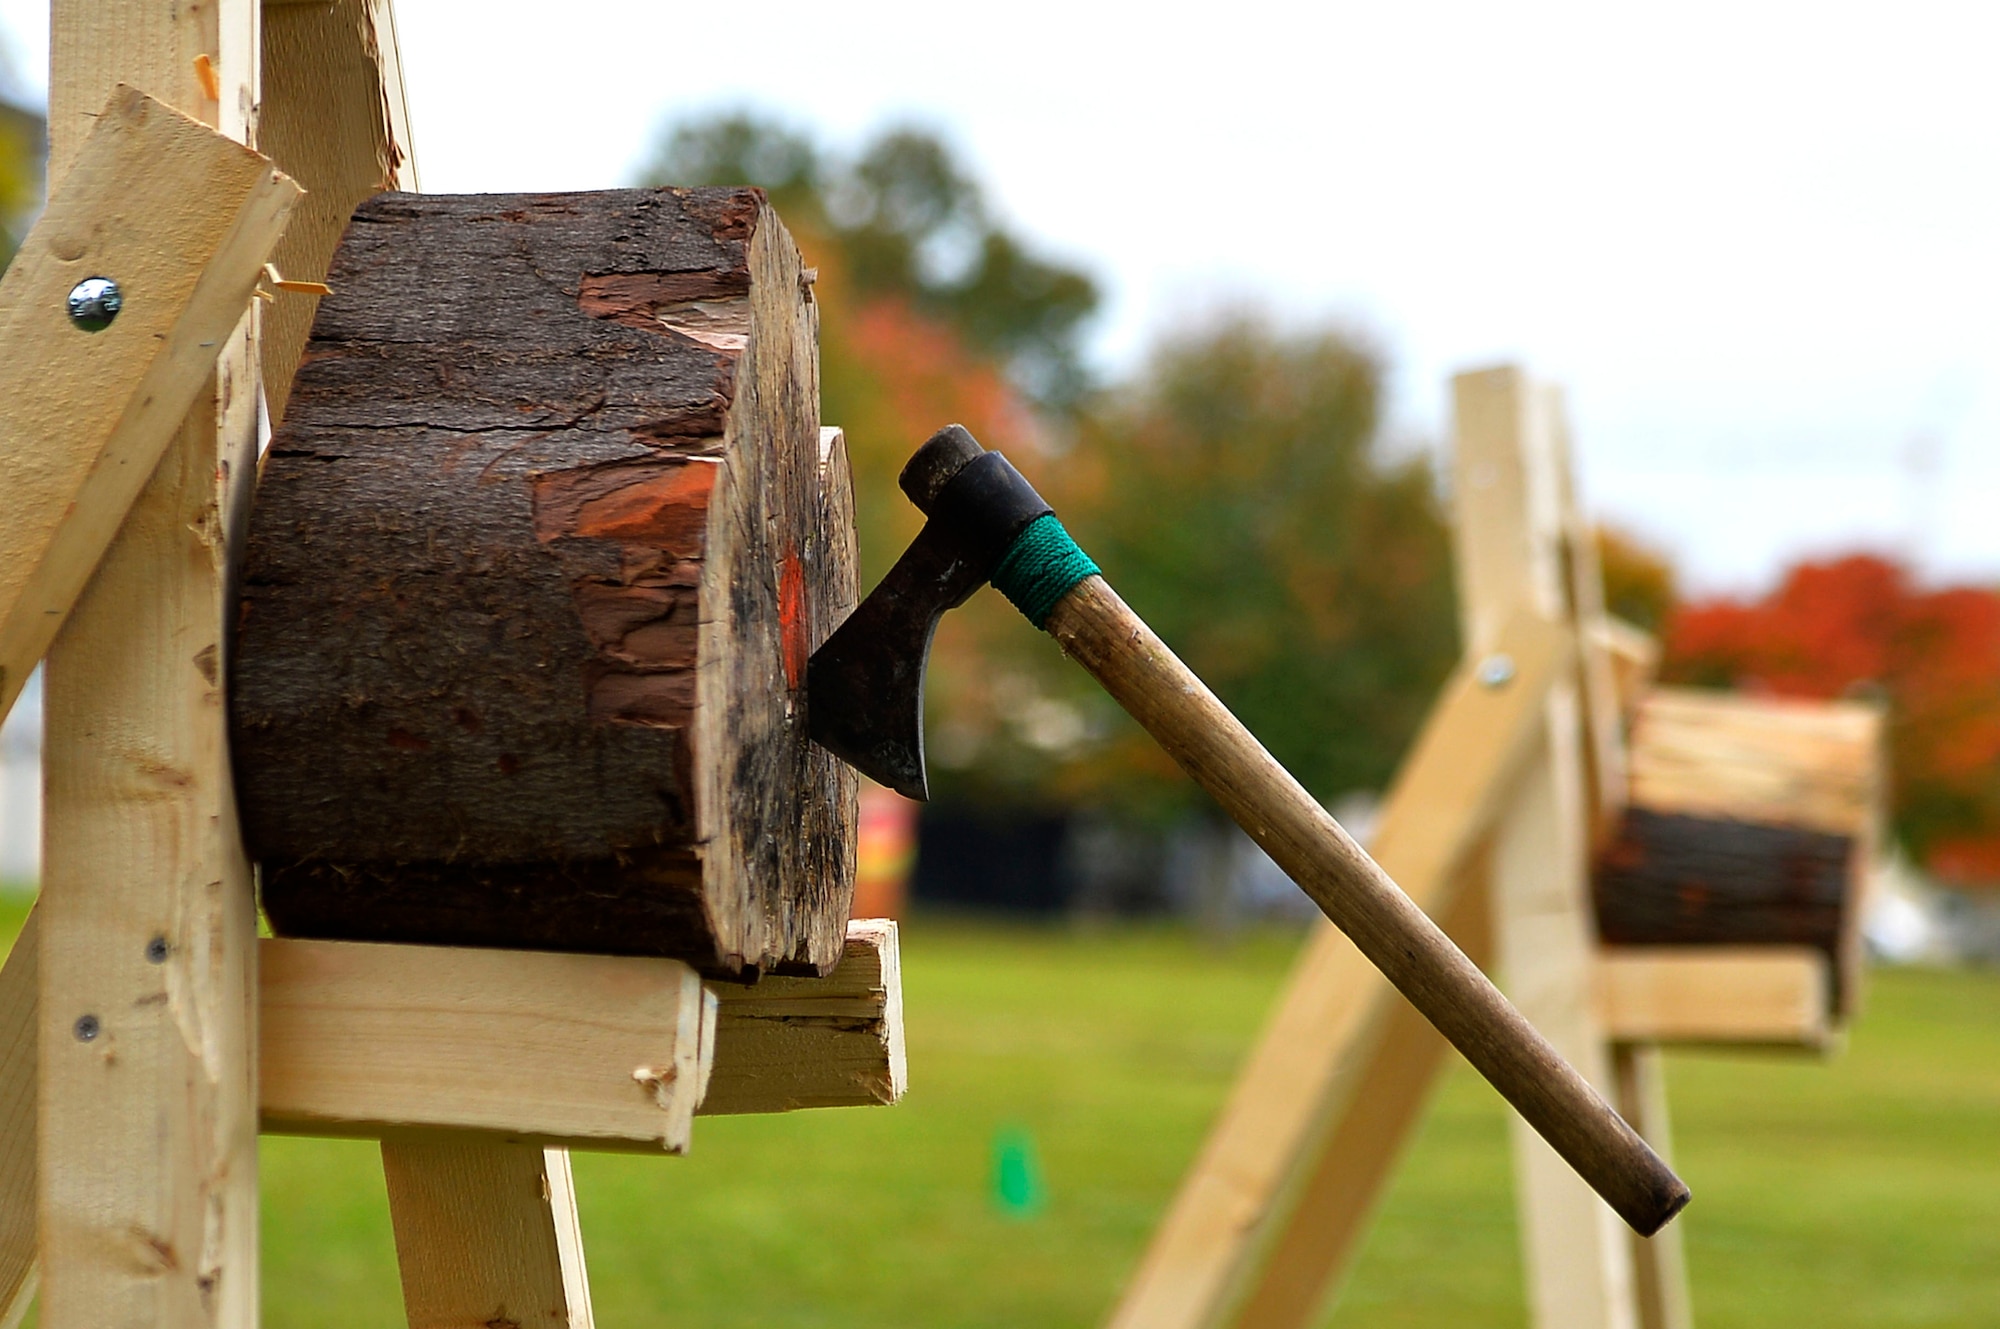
(538, 556)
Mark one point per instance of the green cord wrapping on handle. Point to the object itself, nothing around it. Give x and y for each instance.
(1040, 568)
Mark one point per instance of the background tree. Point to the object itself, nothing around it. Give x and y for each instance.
(1241, 498)
(1861, 625)
(1639, 584)
(21, 150)
(1235, 491)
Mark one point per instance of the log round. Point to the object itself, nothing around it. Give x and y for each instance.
(537, 559)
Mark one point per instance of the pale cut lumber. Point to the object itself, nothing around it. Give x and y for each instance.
(1815, 765)
(1395, 1066)
(486, 1233)
(595, 1051)
(1232, 1203)
(1635, 658)
(352, 1033)
(1659, 1263)
(1605, 775)
(18, 980)
(1512, 509)
(1759, 995)
(182, 219)
(148, 1130)
(336, 119)
(787, 1043)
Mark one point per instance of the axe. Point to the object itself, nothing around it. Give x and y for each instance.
(864, 701)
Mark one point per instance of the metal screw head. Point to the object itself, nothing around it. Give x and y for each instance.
(156, 950)
(1496, 670)
(86, 1028)
(94, 302)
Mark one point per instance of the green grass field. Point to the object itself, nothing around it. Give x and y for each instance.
(1862, 1191)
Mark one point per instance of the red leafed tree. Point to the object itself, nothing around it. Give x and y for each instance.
(1861, 624)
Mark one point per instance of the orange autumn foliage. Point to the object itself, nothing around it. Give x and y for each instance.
(1861, 625)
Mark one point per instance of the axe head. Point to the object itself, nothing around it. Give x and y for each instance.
(865, 684)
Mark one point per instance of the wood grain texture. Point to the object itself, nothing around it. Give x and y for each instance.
(1239, 1199)
(19, 979)
(147, 1131)
(486, 1233)
(538, 557)
(1100, 632)
(336, 119)
(1762, 995)
(787, 1043)
(591, 1050)
(183, 219)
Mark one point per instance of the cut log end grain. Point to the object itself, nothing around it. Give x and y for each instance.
(538, 556)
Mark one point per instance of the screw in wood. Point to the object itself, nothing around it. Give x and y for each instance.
(156, 950)
(94, 302)
(1496, 670)
(86, 1028)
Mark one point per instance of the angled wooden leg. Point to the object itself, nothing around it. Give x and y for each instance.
(1313, 1246)
(17, 1123)
(1659, 1264)
(1303, 1078)
(486, 1233)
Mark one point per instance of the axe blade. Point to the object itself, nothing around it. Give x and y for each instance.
(865, 684)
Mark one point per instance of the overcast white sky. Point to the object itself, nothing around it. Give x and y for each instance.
(1755, 241)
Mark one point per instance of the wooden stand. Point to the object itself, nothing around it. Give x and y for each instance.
(1515, 788)
(146, 1034)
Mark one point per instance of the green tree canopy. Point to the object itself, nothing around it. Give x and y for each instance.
(908, 220)
(1239, 498)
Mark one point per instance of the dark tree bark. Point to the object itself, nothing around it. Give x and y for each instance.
(537, 559)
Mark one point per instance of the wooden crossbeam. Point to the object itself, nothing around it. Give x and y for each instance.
(1304, 1078)
(1774, 996)
(183, 220)
(486, 1232)
(505, 1051)
(356, 1039)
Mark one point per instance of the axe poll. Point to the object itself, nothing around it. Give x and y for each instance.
(985, 522)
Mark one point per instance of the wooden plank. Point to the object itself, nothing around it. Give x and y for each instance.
(788, 1043)
(18, 981)
(1659, 1265)
(1396, 1065)
(1605, 774)
(486, 1233)
(1307, 1062)
(336, 119)
(148, 1149)
(360, 1037)
(1635, 658)
(1509, 498)
(595, 1050)
(1769, 995)
(183, 219)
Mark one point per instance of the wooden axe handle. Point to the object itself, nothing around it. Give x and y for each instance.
(1100, 632)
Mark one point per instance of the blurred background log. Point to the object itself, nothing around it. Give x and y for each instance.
(1753, 822)
(539, 553)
